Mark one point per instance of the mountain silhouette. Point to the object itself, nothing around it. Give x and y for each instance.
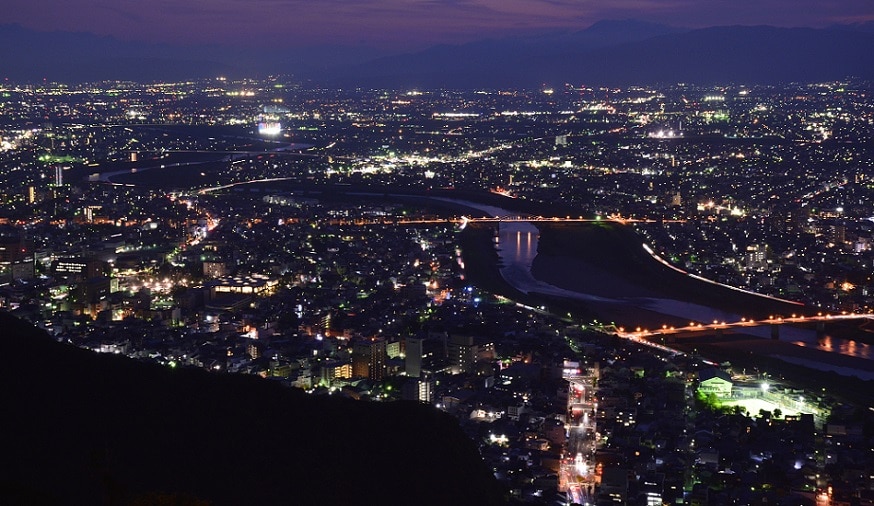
(740, 54)
(607, 53)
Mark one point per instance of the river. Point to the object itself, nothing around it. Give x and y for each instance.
(517, 244)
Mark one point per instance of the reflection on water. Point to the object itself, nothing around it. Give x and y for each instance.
(838, 345)
(517, 247)
(522, 240)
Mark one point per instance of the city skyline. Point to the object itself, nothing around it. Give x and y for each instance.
(604, 294)
(438, 252)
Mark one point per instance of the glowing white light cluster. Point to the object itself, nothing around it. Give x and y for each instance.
(662, 134)
(269, 128)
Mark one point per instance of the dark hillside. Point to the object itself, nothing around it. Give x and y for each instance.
(83, 428)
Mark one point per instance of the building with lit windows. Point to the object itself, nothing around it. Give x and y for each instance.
(368, 358)
(714, 381)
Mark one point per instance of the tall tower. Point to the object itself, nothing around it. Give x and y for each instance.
(59, 175)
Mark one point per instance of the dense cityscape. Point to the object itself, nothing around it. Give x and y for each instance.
(357, 243)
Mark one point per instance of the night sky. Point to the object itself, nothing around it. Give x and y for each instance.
(387, 23)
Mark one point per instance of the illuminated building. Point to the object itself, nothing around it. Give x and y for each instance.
(77, 268)
(755, 256)
(253, 350)
(462, 353)
(332, 371)
(417, 390)
(213, 269)
(652, 485)
(714, 381)
(255, 284)
(269, 127)
(368, 359)
(16, 259)
(394, 349)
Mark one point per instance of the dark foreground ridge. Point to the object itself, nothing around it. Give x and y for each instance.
(83, 428)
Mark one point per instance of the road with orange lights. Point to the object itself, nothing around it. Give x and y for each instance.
(615, 218)
(697, 328)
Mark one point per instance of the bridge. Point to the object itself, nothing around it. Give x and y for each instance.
(615, 218)
(698, 328)
(463, 221)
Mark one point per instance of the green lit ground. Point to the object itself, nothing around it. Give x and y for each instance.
(755, 405)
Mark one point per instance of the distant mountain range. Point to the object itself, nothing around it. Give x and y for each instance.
(606, 53)
(32, 56)
(601, 56)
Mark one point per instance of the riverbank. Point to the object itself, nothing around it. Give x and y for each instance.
(483, 269)
(608, 260)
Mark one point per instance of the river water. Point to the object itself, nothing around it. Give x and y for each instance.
(517, 248)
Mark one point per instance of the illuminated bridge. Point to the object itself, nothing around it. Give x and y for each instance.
(463, 221)
(695, 329)
(615, 218)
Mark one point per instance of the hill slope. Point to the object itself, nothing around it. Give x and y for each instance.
(83, 428)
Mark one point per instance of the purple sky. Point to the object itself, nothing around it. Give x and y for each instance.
(414, 23)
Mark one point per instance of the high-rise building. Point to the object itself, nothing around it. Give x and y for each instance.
(652, 485)
(332, 371)
(462, 354)
(417, 389)
(368, 358)
(16, 256)
(413, 358)
(838, 233)
(12, 246)
(755, 256)
(394, 349)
